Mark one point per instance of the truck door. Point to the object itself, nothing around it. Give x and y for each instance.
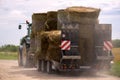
(70, 33)
(69, 46)
(102, 33)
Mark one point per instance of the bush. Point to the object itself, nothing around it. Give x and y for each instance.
(115, 70)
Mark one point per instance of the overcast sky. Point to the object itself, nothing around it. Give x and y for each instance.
(13, 12)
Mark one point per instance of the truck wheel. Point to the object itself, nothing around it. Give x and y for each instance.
(42, 65)
(24, 52)
(20, 57)
(38, 65)
(25, 56)
(49, 67)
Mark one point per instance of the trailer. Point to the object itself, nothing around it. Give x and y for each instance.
(77, 44)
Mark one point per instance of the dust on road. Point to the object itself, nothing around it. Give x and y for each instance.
(9, 70)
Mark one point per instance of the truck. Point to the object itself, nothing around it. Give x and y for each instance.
(70, 39)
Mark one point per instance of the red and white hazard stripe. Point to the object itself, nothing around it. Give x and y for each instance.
(65, 45)
(107, 45)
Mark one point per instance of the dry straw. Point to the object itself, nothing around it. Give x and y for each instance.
(51, 23)
(38, 21)
(54, 51)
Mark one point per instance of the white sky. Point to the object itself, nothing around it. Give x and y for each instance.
(13, 12)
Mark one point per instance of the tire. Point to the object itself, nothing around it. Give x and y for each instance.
(24, 55)
(20, 57)
(49, 67)
(43, 65)
(38, 65)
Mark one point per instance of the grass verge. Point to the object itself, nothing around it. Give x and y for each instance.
(8, 55)
(115, 70)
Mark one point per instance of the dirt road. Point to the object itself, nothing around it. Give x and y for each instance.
(9, 70)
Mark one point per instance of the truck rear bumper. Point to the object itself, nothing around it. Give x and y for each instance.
(81, 68)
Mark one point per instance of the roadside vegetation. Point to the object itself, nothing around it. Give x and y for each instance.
(8, 52)
(115, 70)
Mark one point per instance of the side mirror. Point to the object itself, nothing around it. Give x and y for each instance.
(19, 27)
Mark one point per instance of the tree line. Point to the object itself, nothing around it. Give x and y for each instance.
(14, 48)
(116, 43)
(8, 48)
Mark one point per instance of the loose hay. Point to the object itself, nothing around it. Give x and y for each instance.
(49, 45)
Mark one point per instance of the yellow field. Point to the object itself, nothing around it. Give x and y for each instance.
(116, 54)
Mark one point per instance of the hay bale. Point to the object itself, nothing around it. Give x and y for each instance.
(32, 35)
(62, 18)
(86, 48)
(32, 46)
(86, 43)
(42, 45)
(32, 43)
(86, 31)
(54, 37)
(82, 50)
(52, 15)
(48, 45)
(54, 53)
(83, 20)
(38, 21)
(54, 50)
(83, 12)
(83, 15)
(51, 23)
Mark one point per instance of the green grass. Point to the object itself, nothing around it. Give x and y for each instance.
(115, 70)
(8, 55)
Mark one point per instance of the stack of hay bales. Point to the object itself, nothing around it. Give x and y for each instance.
(43, 37)
(46, 39)
(86, 18)
(38, 21)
